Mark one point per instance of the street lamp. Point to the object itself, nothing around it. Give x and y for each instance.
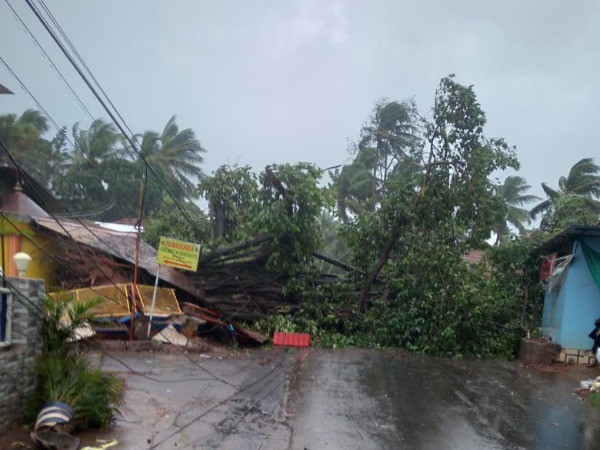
(22, 261)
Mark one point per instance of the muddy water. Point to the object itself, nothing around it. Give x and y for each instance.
(387, 400)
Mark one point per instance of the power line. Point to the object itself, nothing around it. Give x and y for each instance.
(119, 125)
(3, 148)
(56, 69)
(33, 187)
(268, 376)
(80, 58)
(39, 312)
(112, 114)
(212, 375)
(39, 105)
(80, 222)
(66, 83)
(148, 165)
(222, 402)
(4, 216)
(112, 201)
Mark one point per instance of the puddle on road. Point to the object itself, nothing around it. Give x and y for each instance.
(435, 403)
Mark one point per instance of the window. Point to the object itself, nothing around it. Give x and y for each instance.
(5, 317)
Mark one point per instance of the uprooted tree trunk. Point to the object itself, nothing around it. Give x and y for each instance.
(383, 257)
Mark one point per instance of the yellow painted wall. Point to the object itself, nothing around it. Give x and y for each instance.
(40, 247)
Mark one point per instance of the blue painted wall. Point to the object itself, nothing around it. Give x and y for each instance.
(569, 315)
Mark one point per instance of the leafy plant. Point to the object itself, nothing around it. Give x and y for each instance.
(169, 221)
(64, 374)
(595, 399)
(63, 314)
(94, 395)
(284, 202)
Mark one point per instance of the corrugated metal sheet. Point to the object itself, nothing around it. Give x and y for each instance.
(117, 244)
(291, 339)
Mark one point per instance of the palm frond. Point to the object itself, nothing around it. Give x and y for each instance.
(540, 208)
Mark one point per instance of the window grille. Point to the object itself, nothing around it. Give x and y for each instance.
(5, 317)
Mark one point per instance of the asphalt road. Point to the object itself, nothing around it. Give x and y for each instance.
(358, 399)
(342, 399)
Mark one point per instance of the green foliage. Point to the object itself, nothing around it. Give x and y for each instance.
(328, 313)
(595, 399)
(284, 202)
(276, 322)
(456, 187)
(437, 203)
(233, 195)
(515, 270)
(94, 395)
(427, 216)
(365, 238)
(62, 316)
(576, 201)
(170, 222)
(64, 373)
(440, 306)
(386, 148)
(176, 156)
(512, 193)
(435, 304)
(333, 244)
(96, 173)
(292, 217)
(570, 210)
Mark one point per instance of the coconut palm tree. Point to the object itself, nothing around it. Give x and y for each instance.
(356, 185)
(89, 177)
(100, 142)
(22, 135)
(512, 193)
(176, 156)
(582, 183)
(43, 159)
(382, 153)
(392, 133)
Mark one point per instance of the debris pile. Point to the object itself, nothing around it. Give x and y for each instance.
(236, 281)
(592, 385)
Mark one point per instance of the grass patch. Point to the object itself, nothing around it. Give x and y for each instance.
(595, 399)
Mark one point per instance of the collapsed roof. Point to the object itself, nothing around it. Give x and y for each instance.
(118, 244)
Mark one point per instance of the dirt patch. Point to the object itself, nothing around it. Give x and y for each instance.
(575, 372)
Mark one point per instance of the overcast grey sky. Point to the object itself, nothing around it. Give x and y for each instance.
(267, 81)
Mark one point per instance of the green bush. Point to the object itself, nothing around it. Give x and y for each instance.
(94, 395)
(595, 399)
(65, 375)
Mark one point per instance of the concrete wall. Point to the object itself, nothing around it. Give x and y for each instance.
(17, 362)
(569, 314)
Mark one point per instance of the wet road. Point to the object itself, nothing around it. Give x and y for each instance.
(276, 399)
(354, 399)
(195, 402)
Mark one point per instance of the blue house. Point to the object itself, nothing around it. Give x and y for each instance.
(572, 300)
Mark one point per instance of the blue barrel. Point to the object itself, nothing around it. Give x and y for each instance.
(55, 415)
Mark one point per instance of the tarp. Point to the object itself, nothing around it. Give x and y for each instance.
(592, 258)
